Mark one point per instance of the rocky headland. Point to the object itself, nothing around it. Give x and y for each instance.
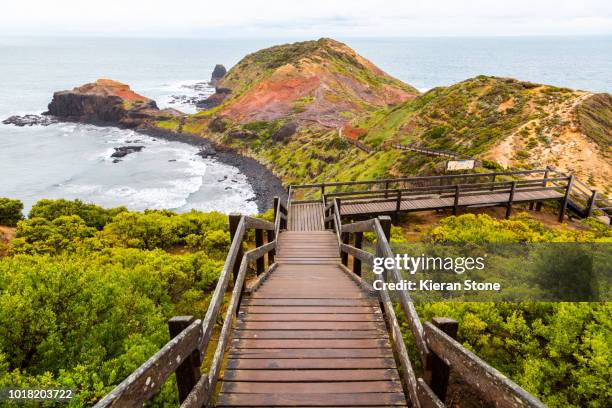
(107, 102)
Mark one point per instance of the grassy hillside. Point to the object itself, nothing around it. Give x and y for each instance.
(517, 124)
(288, 103)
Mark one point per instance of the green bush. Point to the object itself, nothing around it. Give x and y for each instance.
(10, 211)
(560, 352)
(93, 215)
(84, 301)
(39, 235)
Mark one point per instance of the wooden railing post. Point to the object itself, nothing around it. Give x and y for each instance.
(545, 181)
(259, 241)
(188, 373)
(234, 219)
(591, 204)
(568, 189)
(323, 188)
(358, 245)
(276, 200)
(510, 200)
(386, 189)
(385, 223)
(398, 205)
(346, 239)
(456, 202)
(272, 252)
(439, 369)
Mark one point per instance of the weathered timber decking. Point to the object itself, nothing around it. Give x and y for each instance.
(309, 335)
(306, 217)
(477, 200)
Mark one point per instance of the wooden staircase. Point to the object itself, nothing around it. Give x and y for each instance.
(310, 335)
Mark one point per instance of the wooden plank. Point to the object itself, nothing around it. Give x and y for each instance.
(310, 375)
(359, 325)
(336, 400)
(309, 302)
(309, 309)
(308, 334)
(313, 317)
(312, 387)
(306, 295)
(309, 363)
(298, 344)
(311, 353)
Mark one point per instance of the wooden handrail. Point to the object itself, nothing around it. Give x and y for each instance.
(146, 381)
(142, 384)
(464, 187)
(491, 384)
(421, 178)
(215, 367)
(429, 339)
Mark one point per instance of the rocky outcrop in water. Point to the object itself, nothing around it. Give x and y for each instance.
(217, 74)
(29, 120)
(107, 102)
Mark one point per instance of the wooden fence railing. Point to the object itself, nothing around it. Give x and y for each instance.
(190, 337)
(583, 200)
(425, 150)
(435, 341)
(422, 181)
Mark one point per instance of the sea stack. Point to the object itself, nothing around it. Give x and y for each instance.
(217, 75)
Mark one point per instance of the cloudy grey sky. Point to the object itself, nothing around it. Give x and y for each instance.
(305, 18)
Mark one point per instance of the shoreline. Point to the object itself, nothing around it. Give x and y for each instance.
(264, 183)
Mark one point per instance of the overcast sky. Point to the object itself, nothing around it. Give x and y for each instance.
(304, 18)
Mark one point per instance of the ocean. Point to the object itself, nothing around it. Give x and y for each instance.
(70, 160)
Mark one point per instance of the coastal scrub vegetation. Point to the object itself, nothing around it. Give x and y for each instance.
(10, 211)
(559, 351)
(85, 292)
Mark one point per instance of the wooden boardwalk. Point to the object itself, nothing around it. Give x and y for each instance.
(486, 198)
(304, 332)
(306, 217)
(310, 336)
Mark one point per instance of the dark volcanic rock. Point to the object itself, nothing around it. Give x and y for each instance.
(218, 124)
(285, 132)
(107, 102)
(125, 150)
(217, 74)
(241, 134)
(213, 100)
(207, 151)
(30, 120)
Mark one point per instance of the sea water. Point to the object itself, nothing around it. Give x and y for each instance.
(74, 160)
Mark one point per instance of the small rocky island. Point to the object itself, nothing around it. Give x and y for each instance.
(107, 102)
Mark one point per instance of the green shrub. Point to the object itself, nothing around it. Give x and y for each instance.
(41, 236)
(93, 215)
(10, 211)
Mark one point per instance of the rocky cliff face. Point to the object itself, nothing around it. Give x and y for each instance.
(107, 102)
